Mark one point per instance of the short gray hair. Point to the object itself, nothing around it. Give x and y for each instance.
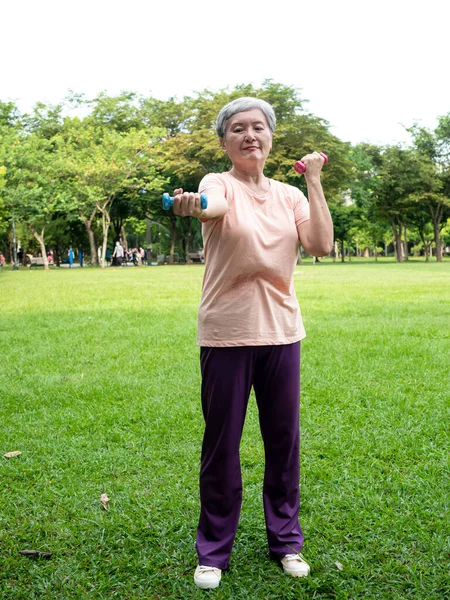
(241, 105)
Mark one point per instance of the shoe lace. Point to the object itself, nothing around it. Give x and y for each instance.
(297, 556)
(204, 569)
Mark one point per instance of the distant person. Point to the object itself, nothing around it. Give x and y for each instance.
(118, 254)
(137, 261)
(108, 256)
(2, 260)
(71, 255)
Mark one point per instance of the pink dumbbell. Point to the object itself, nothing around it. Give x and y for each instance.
(300, 166)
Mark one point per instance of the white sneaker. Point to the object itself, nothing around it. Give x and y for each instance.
(295, 565)
(207, 578)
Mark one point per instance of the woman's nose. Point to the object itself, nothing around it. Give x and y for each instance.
(250, 135)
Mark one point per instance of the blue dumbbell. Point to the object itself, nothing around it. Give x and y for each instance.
(167, 201)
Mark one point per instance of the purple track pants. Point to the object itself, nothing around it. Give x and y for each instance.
(228, 375)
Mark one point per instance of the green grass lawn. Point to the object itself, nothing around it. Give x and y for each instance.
(99, 389)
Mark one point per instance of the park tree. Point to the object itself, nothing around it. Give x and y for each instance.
(420, 221)
(10, 123)
(345, 218)
(429, 206)
(44, 120)
(399, 178)
(433, 147)
(4, 216)
(445, 234)
(101, 165)
(193, 150)
(124, 116)
(119, 113)
(363, 183)
(110, 164)
(10, 117)
(33, 189)
(297, 133)
(170, 116)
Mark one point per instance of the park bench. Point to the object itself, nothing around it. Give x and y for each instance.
(37, 261)
(195, 257)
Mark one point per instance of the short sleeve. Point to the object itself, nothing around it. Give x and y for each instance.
(212, 183)
(301, 207)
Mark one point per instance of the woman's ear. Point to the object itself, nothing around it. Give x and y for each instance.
(222, 143)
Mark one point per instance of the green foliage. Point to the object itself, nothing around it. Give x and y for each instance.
(195, 151)
(45, 120)
(109, 158)
(434, 193)
(32, 187)
(9, 115)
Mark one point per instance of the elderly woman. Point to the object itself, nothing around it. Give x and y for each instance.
(249, 332)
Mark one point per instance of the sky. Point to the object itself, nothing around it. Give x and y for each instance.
(369, 68)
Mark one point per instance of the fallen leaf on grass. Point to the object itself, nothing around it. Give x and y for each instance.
(104, 500)
(35, 554)
(339, 566)
(12, 454)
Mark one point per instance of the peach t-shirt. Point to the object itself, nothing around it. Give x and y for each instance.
(248, 295)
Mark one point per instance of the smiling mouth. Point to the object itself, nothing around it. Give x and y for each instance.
(251, 148)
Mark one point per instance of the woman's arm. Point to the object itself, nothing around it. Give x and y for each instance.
(316, 234)
(187, 204)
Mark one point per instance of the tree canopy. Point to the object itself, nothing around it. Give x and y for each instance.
(69, 171)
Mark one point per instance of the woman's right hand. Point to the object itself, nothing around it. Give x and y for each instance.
(187, 204)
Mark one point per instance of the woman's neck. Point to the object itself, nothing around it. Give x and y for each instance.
(255, 180)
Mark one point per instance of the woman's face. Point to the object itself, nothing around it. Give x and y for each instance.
(247, 137)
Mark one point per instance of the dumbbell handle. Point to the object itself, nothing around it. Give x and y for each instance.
(300, 166)
(167, 201)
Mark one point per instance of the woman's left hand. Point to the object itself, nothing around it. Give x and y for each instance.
(313, 163)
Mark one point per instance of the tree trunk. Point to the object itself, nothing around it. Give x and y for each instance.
(148, 239)
(426, 246)
(405, 244)
(40, 239)
(187, 243)
(173, 237)
(398, 241)
(123, 237)
(106, 220)
(92, 245)
(437, 216)
(117, 224)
